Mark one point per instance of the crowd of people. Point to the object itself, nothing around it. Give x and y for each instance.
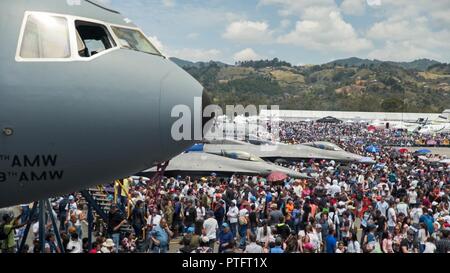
(351, 134)
(398, 205)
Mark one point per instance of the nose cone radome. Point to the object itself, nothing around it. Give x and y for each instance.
(180, 111)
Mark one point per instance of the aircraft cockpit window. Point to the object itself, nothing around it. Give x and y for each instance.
(134, 39)
(325, 146)
(241, 156)
(92, 38)
(45, 36)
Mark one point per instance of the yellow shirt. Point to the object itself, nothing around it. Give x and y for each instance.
(125, 187)
(9, 242)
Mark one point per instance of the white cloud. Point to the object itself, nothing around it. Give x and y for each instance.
(353, 7)
(168, 3)
(374, 2)
(297, 7)
(409, 39)
(193, 35)
(285, 23)
(156, 42)
(246, 55)
(402, 51)
(325, 32)
(248, 31)
(196, 55)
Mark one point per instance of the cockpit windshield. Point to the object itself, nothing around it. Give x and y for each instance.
(241, 156)
(134, 39)
(324, 146)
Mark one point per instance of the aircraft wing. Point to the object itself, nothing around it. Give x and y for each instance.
(205, 164)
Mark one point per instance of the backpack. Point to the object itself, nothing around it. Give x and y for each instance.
(3, 234)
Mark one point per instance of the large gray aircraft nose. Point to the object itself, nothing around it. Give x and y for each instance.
(181, 108)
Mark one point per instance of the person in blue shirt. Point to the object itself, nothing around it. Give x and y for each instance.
(330, 242)
(225, 237)
(428, 220)
(161, 235)
(277, 249)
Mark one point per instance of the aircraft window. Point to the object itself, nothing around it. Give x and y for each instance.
(242, 156)
(325, 146)
(92, 38)
(45, 36)
(134, 40)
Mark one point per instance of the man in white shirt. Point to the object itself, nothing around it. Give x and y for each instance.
(382, 206)
(232, 216)
(154, 219)
(402, 207)
(412, 195)
(74, 245)
(392, 217)
(210, 228)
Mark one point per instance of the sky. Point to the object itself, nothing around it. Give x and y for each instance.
(298, 31)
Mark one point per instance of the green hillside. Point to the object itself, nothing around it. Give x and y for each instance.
(345, 85)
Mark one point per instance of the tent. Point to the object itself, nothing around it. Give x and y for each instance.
(373, 149)
(329, 119)
(423, 151)
(367, 160)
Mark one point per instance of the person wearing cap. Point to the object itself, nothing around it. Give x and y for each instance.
(8, 226)
(225, 237)
(210, 228)
(190, 215)
(409, 244)
(232, 216)
(427, 219)
(277, 249)
(108, 247)
(115, 222)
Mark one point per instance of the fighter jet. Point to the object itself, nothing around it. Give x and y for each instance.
(271, 151)
(84, 98)
(235, 162)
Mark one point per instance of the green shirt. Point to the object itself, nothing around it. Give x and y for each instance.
(9, 242)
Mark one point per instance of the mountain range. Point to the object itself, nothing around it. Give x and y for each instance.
(351, 84)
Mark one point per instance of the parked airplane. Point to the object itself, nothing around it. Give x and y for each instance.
(84, 98)
(226, 163)
(271, 151)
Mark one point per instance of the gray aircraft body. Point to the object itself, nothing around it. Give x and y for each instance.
(273, 151)
(85, 98)
(202, 163)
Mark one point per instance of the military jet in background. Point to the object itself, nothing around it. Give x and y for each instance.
(199, 163)
(84, 98)
(271, 151)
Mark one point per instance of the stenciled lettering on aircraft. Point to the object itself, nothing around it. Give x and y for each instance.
(41, 165)
(36, 161)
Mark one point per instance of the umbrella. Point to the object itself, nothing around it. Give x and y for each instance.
(423, 151)
(359, 142)
(367, 160)
(372, 149)
(422, 157)
(276, 177)
(403, 150)
(371, 128)
(445, 161)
